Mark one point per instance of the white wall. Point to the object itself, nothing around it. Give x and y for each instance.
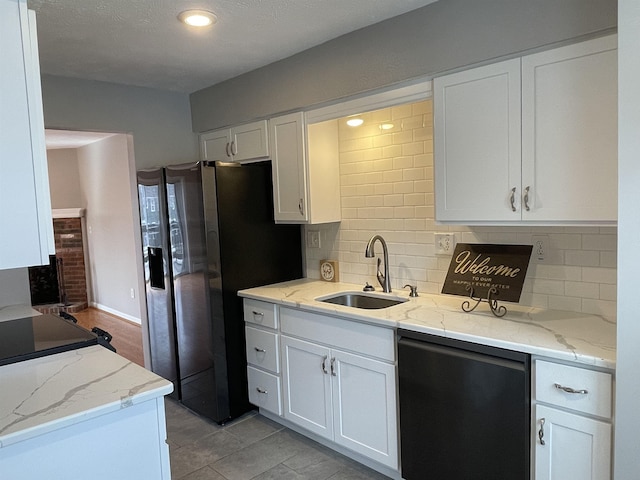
(64, 178)
(627, 440)
(106, 178)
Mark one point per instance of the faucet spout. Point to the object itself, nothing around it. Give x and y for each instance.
(383, 279)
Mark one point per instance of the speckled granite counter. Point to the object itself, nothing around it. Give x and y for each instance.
(576, 337)
(49, 393)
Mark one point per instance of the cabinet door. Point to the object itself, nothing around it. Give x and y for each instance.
(249, 141)
(25, 204)
(569, 132)
(215, 146)
(575, 446)
(364, 399)
(307, 385)
(477, 144)
(286, 136)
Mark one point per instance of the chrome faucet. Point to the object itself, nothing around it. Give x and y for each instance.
(385, 280)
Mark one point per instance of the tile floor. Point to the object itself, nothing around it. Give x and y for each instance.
(251, 447)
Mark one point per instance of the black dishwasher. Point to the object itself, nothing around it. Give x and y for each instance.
(464, 410)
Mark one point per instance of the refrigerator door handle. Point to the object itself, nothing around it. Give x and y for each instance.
(156, 267)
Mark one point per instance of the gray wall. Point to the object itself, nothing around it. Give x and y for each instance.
(158, 120)
(442, 36)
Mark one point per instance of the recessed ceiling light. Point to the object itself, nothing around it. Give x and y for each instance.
(355, 122)
(197, 18)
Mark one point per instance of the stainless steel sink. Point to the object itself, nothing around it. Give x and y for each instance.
(361, 300)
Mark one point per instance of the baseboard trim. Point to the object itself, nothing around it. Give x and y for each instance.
(117, 313)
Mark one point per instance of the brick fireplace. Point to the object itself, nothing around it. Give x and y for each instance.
(69, 275)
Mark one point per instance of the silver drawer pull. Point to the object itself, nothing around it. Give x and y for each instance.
(261, 390)
(324, 364)
(258, 349)
(541, 432)
(257, 314)
(569, 389)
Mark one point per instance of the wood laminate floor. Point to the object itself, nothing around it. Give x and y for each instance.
(127, 336)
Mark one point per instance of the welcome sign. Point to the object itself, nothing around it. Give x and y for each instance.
(482, 266)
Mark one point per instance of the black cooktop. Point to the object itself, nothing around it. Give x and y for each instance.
(32, 337)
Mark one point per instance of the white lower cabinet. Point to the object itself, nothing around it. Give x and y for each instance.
(574, 446)
(343, 396)
(571, 422)
(263, 355)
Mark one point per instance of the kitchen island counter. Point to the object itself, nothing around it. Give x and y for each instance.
(58, 412)
(562, 335)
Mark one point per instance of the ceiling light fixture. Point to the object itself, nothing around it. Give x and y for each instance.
(197, 18)
(355, 122)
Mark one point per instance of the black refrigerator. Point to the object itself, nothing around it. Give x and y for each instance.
(207, 232)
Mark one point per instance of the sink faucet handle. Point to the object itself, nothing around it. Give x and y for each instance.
(414, 290)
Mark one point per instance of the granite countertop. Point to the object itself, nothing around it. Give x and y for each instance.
(49, 393)
(576, 337)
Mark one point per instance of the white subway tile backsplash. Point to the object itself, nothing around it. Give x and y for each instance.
(608, 259)
(582, 289)
(600, 242)
(386, 183)
(584, 258)
(599, 275)
(608, 292)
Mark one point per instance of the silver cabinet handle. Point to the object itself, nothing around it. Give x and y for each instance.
(541, 432)
(512, 199)
(258, 314)
(324, 364)
(526, 199)
(234, 148)
(261, 390)
(301, 207)
(258, 349)
(570, 390)
(226, 149)
(333, 367)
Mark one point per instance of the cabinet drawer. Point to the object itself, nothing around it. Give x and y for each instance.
(339, 332)
(262, 349)
(260, 313)
(264, 390)
(596, 400)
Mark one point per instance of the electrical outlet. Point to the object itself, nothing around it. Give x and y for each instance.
(444, 243)
(313, 239)
(540, 247)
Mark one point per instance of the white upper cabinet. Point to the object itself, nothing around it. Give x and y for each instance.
(25, 204)
(570, 133)
(238, 144)
(477, 143)
(530, 140)
(305, 168)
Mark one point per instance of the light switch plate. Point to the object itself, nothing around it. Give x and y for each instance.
(313, 239)
(445, 243)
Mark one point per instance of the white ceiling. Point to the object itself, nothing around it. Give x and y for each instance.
(141, 42)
